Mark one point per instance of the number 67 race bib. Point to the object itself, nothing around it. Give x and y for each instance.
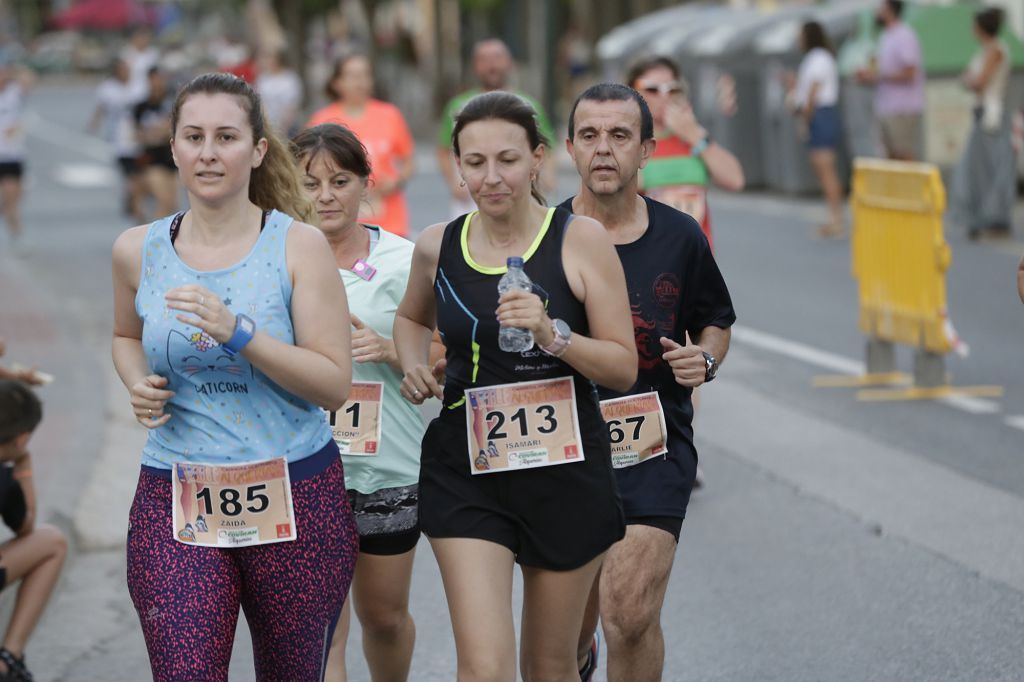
(232, 505)
(522, 426)
(636, 428)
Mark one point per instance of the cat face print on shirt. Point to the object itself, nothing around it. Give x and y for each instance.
(202, 362)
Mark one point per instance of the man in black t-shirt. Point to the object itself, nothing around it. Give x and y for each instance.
(682, 313)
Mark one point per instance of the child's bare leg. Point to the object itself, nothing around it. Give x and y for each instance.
(35, 559)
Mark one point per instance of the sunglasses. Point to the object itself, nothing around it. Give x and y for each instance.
(663, 89)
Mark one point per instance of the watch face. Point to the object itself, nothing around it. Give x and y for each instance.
(562, 329)
(710, 364)
(247, 325)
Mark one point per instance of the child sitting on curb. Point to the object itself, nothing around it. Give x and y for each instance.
(36, 554)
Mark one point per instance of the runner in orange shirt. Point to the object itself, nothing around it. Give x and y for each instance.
(382, 129)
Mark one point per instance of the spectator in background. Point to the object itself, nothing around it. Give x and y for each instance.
(153, 124)
(15, 82)
(898, 76)
(685, 160)
(1020, 280)
(984, 185)
(115, 102)
(280, 88)
(35, 555)
(492, 68)
(141, 56)
(382, 129)
(575, 54)
(814, 98)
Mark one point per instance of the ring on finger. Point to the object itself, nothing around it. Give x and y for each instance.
(416, 394)
(151, 413)
(202, 300)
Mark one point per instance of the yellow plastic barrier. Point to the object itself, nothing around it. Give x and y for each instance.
(900, 255)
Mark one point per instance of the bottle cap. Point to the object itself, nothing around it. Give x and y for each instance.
(514, 262)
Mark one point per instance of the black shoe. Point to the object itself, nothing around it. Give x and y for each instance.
(590, 667)
(16, 670)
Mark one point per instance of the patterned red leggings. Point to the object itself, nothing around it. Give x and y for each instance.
(292, 592)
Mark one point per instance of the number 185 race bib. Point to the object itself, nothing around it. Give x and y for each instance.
(522, 426)
(232, 505)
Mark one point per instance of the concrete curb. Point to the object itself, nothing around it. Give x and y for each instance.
(101, 519)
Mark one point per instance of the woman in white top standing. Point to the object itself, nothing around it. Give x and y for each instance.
(984, 187)
(14, 84)
(815, 99)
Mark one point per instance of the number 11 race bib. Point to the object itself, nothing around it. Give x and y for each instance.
(232, 505)
(357, 425)
(636, 428)
(522, 426)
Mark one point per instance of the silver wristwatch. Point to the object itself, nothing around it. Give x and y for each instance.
(710, 367)
(561, 341)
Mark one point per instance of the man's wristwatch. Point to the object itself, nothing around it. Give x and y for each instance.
(245, 329)
(710, 367)
(561, 341)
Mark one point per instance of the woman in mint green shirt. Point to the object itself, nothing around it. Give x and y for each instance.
(378, 432)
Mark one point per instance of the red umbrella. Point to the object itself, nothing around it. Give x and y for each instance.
(103, 14)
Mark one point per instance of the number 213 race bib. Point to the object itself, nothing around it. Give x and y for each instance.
(522, 426)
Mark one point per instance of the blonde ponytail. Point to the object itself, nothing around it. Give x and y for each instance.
(276, 184)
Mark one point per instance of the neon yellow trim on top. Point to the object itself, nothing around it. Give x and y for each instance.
(476, 368)
(476, 358)
(464, 238)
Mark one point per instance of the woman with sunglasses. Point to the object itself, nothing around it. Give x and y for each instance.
(685, 160)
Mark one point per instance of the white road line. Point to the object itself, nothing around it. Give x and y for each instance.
(85, 175)
(1015, 421)
(797, 351)
(971, 404)
(67, 138)
(843, 365)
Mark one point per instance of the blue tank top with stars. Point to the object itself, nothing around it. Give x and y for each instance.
(224, 411)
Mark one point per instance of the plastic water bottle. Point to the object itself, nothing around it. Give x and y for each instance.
(514, 339)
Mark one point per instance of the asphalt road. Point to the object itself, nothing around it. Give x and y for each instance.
(836, 539)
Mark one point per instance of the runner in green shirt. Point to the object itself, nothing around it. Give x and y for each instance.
(492, 67)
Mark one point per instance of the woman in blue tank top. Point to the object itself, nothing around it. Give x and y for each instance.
(231, 332)
(502, 500)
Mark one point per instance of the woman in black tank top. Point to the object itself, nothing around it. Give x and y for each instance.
(501, 501)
